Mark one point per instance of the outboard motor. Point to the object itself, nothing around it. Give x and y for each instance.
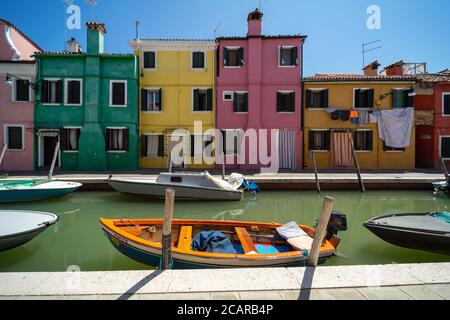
(338, 222)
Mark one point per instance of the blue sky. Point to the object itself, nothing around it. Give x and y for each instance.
(413, 30)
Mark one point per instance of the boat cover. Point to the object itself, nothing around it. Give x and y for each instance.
(444, 216)
(291, 230)
(222, 184)
(212, 241)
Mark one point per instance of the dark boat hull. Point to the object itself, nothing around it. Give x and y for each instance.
(14, 241)
(436, 242)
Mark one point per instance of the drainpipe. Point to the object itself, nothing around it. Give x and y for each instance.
(302, 113)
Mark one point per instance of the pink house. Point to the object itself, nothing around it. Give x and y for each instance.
(17, 75)
(259, 87)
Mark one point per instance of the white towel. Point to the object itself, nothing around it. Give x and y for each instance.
(395, 126)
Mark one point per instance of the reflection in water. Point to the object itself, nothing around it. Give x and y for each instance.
(77, 239)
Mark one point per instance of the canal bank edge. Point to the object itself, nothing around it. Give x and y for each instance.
(399, 281)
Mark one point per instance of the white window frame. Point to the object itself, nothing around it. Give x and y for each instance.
(116, 151)
(154, 134)
(6, 136)
(66, 92)
(73, 151)
(111, 82)
(13, 92)
(228, 92)
(160, 101)
(443, 98)
(51, 104)
(373, 142)
(285, 91)
(279, 56)
(192, 100)
(315, 90)
(232, 48)
(316, 130)
(156, 60)
(241, 92)
(440, 145)
(354, 91)
(204, 61)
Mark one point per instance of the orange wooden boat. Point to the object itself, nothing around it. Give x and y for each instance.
(257, 244)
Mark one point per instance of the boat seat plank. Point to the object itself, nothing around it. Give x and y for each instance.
(185, 240)
(246, 240)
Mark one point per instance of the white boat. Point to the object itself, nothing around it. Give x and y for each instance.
(187, 186)
(34, 189)
(20, 227)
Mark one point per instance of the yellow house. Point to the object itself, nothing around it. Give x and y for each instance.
(176, 90)
(340, 106)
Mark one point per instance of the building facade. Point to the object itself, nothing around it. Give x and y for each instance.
(17, 76)
(176, 92)
(258, 86)
(433, 131)
(343, 106)
(88, 103)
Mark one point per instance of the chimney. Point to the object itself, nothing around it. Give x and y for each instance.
(73, 46)
(395, 69)
(255, 23)
(371, 69)
(95, 37)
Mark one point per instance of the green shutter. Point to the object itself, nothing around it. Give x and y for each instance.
(309, 99)
(209, 99)
(446, 104)
(196, 99)
(324, 98)
(279, 102)
(235, 106)
(192, 145)
(225, 56)
(370, 98)
(161, 146)
(311, 140)
(160, 99)
(240, 56)
(144, 101)
(395, 98)
(246, 102)
(357, 98)
(291, 102)
(144, 142)
(370, 141)
(295, 55)
(126, 138)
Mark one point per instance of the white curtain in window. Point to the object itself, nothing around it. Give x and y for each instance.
(152, 146)
(120, 139)
(52, 92)
(73, 139)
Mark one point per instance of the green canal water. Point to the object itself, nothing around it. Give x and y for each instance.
(77, 242)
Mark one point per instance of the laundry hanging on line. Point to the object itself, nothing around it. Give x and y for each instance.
(395, 127)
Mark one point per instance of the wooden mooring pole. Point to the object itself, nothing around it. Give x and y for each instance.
(2, 154)
(358, 169)
(321, 230)
(55, 157)
(444, 168)
(166, 260)
(316, 174)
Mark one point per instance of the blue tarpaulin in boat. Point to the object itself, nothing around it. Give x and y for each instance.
(212, 241)
(444, 216)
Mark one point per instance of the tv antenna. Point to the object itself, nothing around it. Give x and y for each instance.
(217, 28)
(92, 3)
(365, 49)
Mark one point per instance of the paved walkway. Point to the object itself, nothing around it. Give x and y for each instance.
(386, 282)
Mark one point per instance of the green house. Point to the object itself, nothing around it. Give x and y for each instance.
(87, 101)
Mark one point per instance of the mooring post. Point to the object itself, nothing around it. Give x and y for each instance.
(55, 156)
(358, 169)
(167, 230)
(2, 154)
(444, 168)
(316, 173)
(223, 165)
(321, 229)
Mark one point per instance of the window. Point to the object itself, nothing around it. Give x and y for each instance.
(319, 140)
(70, 138)
(228, 96)
(73, 92)
(231, 141)
(446, 104)
(386, 148)
(233, 57)
(118, 94)
(401, 98)
(21, 91)
(51, 91)
(149, 60)
(285, 101)
(363, 98)
(151, 100)
(199, 144)
(363, 140)
(152, 146)
(288, 56)
(116, 139)
(240, 102)
(317, 98)
(198, 60)
(202, 100)
(445, 147)
(14, 138)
